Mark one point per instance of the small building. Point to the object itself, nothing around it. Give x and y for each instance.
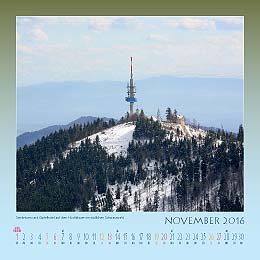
(180, 120)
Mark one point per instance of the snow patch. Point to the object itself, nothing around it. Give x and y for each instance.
(115, 139)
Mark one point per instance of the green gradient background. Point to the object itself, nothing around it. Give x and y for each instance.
(251, 12)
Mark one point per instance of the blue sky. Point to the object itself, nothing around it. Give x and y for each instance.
(98, 48)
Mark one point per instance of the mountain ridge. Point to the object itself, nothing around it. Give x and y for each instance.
(211, 101)
(135, 165)
(28, 138)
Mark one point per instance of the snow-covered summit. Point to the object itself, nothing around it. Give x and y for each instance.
(115, 139)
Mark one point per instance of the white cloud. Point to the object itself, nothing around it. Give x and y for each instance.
(196, 23)
(192, 23)
(38, 34)
(104, 23)
(52, 49)
(74, 19)
(87, 38)
(234, 41)
(96, 23)
(213, 52)
(24, 49)
(236, 20)
(100, 23)
(158, 37)
(173, 23)
(41, 20)
(24, 19)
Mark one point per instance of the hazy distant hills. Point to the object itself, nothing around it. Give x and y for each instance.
(213, 102)
(31, 137)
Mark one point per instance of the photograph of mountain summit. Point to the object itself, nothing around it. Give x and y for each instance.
(130, 114)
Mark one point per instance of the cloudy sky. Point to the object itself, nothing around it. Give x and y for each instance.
(99, 48)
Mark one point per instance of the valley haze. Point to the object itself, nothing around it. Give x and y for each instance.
(213, 102)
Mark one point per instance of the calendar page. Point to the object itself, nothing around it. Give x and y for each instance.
(134, 138)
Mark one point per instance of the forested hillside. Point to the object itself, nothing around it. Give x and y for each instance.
(167, 167)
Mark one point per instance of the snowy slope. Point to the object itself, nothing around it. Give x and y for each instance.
(146, 190)
(115, 139)
(187, 130)
(121, 135)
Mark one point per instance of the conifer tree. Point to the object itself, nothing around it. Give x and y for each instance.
(124, 207)
(109, 201)
(168, 114)
(240, 136)
(84, 206)
(156, 200)
(93, 203)
(136, 200)
(117, 192)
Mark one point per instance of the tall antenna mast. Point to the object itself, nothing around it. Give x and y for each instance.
(131, 67)
(131, 90)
